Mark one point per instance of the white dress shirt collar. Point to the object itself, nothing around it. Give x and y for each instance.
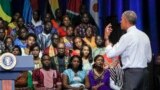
(131, 28)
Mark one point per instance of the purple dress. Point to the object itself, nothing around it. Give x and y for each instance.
(105, 78)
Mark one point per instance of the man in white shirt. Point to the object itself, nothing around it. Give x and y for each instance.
(135, 51)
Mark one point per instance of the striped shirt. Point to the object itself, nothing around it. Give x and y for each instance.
(116, 74)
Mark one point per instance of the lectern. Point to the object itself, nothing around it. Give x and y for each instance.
(11, 66)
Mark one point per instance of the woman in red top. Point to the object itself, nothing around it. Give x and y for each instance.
(62, 29)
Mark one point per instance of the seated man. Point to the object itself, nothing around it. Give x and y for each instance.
(44, 38)
(60, 61)
(52, 49)
(45, 77)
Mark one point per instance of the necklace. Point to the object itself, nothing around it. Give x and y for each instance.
(98, 74)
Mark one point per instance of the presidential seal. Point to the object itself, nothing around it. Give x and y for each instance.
(8, 61)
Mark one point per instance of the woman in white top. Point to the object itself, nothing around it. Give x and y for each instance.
(86, 54)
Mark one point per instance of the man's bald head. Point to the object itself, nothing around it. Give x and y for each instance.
(61, 49)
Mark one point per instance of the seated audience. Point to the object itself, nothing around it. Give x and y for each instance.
(82, 27)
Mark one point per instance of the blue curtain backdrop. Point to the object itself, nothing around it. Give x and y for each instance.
(147, 12)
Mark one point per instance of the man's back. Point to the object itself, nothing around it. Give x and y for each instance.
(138, 51)
(134, 49)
